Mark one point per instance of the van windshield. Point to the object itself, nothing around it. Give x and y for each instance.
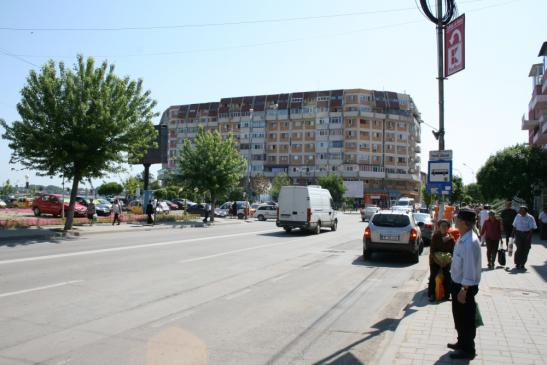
(390, 220)
(403, 203)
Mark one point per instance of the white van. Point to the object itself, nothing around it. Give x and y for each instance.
(404, 203)
(306, 207)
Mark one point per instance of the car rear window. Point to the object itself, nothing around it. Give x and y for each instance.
(422, 217)
(390, 220)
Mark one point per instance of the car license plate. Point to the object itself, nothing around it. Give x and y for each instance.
(389, 237)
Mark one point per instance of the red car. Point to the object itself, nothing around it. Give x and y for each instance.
(51, 204)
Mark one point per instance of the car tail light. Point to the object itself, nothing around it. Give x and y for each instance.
(367, 233)
(308, 215)
(429, 226)
(413, 234)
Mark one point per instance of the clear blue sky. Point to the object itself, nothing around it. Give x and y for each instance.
(393, 50)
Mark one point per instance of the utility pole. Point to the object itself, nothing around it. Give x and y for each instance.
(440, 71)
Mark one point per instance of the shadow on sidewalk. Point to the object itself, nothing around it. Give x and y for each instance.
(384, 259)
(445, 359)
(344, 357)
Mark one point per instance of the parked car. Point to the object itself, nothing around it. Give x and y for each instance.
(162, 207)
(306, 207)
(103, 201)
(3, 204)
(368, 211)
(425, 223)
(23, 202)
(395, 231)
(223, 210)
(197, 209)
(182, 203)
(101, 208)
(264, 212)
(135, 207)
(51, 204)
(172, 205)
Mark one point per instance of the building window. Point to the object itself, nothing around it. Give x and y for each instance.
(322, 98)
(335, 120)
(337, 144)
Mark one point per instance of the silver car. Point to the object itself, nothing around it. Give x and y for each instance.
(264, 212)
(368, 212)
(395, 231)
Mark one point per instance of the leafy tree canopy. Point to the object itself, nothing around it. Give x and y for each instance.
(80, 123)
(281, 179)
(514, 171)
(335, 185)
(110, 188)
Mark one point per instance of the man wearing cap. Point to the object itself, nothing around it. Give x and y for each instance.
(524, 225)
(466, 274)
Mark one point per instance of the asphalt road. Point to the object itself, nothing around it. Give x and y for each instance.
(228, 294)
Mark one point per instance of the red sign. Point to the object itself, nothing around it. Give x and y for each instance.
(454, 46)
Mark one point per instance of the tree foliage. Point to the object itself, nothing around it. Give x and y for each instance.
(6, 188)
(110, 188)
(472, 193)
(80, 123)
(281, 179)
(131, 185)
(457, 193)
(335, 185)
(260, 184)
(211, 164)
(427, 198)
(514, 171)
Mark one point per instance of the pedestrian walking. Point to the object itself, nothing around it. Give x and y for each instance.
(466, 274)
(508, 217)
(483, 217)
(117, 211)
(441, 241)
(491, 231)
(150, 212)
(524, 225)
(91, 211)
(543, 223)
(234, 209)
(207, 209)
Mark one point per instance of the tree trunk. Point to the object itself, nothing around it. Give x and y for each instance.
(73, 193)
(212, 208)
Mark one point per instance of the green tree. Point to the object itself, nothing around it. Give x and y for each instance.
(335, 185)
(457, 190)
(427, 198)
(281, 179)
(514, 171)
(473, 193)
(211, 164)
(110, 188)
(80, 123)
(6, 189)
(260, 184)
(131, 185)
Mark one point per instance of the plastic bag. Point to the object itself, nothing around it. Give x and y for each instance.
(478, 317)
(510, 246)
(94, 218)
(501, 255)
(439, 286)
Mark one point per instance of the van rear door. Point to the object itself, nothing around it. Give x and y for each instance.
(293, 203)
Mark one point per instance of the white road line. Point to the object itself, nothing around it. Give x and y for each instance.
(134, 247)
(238, 294)
(172, 319)
(235, 251)
(39, 288)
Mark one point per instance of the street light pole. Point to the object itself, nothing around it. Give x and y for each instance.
(250, 152)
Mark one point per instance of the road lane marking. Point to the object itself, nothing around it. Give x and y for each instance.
(235, 251)
(172, 319)
(134, 247)
(39, 288)
(238, 294)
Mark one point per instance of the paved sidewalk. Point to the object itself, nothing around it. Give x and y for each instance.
(513, 305)
(50, 232)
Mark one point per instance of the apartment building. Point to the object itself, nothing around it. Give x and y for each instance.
(359, 134)
(535, 123)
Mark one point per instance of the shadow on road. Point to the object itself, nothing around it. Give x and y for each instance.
(385, 259)
(344, 357)
(45, 236)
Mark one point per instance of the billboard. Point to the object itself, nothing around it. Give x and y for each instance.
(454, 46)
(354, 189)
(159, 154)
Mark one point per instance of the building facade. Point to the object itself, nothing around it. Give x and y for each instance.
(535, 123)
(366, 135)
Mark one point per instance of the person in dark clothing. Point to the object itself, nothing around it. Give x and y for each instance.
(441, 241)
(234, 209)
(508, 217)
(524, 226)
(150, 212)
(491, 230)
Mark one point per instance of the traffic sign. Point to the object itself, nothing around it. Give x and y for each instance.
(454, 46)
(439, 175)
(444, 155)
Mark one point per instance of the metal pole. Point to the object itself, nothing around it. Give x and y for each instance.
(440, 72)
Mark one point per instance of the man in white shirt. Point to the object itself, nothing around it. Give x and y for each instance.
(543, 223)
(524, 225)
(466, 275)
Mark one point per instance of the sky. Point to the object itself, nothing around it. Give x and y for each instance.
(202, 51)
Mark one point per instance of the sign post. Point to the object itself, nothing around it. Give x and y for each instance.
(439, 176)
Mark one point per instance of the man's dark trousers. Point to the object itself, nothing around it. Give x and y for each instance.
(464, 317)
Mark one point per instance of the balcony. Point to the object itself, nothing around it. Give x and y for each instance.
(528, 124)
(538, 102)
